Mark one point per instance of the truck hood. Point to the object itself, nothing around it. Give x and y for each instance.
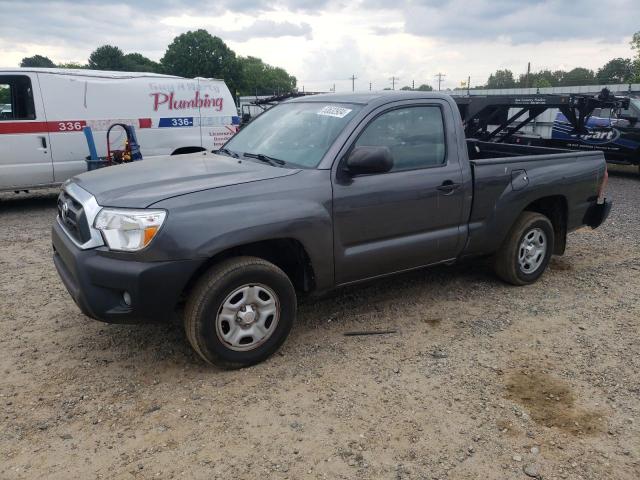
(141, 184)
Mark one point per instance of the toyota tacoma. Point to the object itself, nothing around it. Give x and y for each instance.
(315, 193)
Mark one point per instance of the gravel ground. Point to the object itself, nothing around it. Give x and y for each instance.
(481, 380)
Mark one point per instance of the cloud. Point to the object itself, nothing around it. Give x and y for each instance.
(267, 29)
(385, 30)
(521, 21)
(510, 21)
(326, 41)
(134, 26)
(339, 63)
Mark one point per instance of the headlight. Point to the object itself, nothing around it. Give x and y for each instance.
(129, 230)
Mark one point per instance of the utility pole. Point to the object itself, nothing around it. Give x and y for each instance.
(393, 82)
(468, 84)
(528, 73)
(353, 79)
(440, 76)
(413, 84)
(370, 84)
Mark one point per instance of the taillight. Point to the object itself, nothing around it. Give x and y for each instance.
(603, 186)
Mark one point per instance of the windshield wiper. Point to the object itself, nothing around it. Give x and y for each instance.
(226, 151)
(265, 158)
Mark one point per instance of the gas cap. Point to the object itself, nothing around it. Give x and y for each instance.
(519, 179)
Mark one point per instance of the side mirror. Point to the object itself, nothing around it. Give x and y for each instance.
(367, 160)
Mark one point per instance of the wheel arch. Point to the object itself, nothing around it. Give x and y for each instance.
(288, 254)
(555, 208)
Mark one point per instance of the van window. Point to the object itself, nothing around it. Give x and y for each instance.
(16, 98)
(414, 135)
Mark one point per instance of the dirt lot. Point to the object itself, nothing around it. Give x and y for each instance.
(481, 380)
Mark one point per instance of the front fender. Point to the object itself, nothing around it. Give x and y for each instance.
(203, 224)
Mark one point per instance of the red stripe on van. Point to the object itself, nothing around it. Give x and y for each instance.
(9, 128)
(144, 122)
(23, 127)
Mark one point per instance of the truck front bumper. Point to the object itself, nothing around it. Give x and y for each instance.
(598, 213)
(97, 283)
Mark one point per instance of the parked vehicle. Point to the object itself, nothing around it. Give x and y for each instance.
(315, 193)
(615, 132)
(41, 137)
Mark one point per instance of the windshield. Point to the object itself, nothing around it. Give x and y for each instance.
(298, 133)
(636, 104)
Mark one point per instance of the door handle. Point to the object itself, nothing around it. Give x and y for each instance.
(43, 142)
(448, 187)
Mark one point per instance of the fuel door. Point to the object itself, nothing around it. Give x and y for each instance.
(519, 179)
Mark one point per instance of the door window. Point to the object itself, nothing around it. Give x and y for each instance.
(414, 135)
(16, 98)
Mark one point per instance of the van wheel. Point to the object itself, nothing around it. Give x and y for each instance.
(526, 251)
(240, 312)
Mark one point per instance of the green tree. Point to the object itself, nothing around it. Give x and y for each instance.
(259, 78)
(37, 61)
(425, 88)
(136, 62)
(200, 54)
(107, 57)
(543, 78)
(72, 65)
(635, 46)
(558, 77)
(618, 70)
(281, 80)
(541, 82)
(406, 87)
(501, 79)
(635, 43)
(578, 76)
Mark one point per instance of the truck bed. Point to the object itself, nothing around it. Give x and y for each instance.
(491, 151)
(510, 178)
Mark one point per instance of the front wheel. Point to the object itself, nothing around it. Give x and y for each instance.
(240, 312)
(526, 251)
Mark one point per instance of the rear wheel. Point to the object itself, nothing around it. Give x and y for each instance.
(526, 251)
(240, 312)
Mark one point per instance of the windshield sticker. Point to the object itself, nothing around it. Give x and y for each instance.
(333, 111)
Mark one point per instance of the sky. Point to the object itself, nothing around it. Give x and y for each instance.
(324, 42)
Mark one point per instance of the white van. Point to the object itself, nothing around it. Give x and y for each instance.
(43, 112)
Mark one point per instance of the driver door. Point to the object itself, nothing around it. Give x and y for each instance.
(410, 216)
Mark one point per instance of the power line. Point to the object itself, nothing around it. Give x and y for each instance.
(440, 76)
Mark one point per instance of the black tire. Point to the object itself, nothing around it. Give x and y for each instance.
(206, 300)
(506, 262)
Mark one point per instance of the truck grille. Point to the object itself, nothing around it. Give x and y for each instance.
(73, 218)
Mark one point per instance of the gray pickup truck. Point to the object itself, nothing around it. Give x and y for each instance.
(316, 193)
